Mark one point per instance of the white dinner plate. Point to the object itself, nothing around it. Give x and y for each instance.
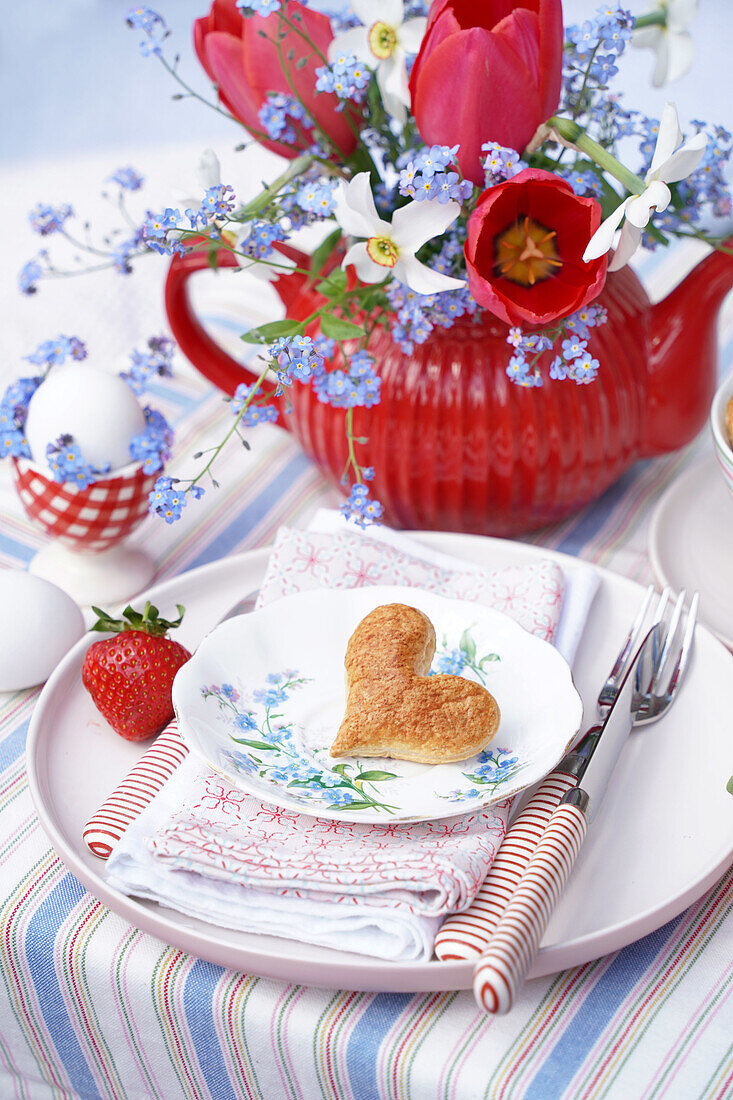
(262, 699)
(691, 542)
(663, 836)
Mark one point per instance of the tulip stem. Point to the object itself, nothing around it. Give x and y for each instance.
(295, 168)
(574, 133)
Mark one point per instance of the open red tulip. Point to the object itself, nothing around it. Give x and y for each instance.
(245, 61)
(487, 70)
(524, 251)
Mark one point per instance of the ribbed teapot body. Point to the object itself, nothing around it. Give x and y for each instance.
(457, 446)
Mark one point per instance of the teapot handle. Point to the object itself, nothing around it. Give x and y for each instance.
(208, 357)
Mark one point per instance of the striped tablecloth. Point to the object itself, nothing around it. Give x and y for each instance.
(91, 1007)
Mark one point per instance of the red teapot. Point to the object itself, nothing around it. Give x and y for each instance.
(456, 445)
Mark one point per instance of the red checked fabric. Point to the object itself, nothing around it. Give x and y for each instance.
(94, 518)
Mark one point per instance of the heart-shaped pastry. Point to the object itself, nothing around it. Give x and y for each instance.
(395, 709)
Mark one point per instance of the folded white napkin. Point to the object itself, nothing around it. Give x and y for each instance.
(220, 855)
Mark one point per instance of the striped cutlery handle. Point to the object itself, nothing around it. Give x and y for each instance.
(465, 935)
(500, 971)
(135, 792)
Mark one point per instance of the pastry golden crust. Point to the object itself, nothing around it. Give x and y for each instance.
(394, 709)
(729, 420)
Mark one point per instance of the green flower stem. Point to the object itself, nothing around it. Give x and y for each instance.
(295, 168)
(652, 19)
(361, 157)
(579, 102)
(195, 95)
(351, 461)
(216, 451)
(277, 43)
(573, 132)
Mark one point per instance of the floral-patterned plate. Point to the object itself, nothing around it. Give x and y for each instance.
(263, 696)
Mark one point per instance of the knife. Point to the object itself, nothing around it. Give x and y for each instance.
(502, 967)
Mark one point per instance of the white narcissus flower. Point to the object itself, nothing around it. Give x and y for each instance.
(389, 249)
(671, 42)
(382, 44)
(671, 162)
(208, 171)
(206, 174)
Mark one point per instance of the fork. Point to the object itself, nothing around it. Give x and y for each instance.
(649, 690)
(465, 935)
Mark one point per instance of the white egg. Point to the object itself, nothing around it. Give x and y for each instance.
(40, 623)
(99, 409)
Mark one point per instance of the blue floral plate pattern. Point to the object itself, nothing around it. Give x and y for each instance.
(263, 696)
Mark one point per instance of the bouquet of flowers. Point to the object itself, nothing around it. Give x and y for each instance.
(463, 156)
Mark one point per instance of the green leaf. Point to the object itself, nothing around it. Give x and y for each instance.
(376, 776)
(340, 769)
(265, 334)
(324, 250)
(338, 329)
(334, 285)
(468, 645)
(212, 258)
(729, 785)
(255, 744)
(488, 658)
(359, 805)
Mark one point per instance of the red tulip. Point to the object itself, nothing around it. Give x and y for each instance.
(524, 251)
(487, 70)
(245, 66)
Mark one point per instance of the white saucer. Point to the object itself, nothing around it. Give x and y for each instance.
(269, 730)
(691, 543)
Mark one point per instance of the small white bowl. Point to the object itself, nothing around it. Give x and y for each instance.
(723, 448)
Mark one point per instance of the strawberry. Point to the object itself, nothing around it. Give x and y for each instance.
(130, 675)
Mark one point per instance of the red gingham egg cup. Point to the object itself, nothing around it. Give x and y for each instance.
(87, 527)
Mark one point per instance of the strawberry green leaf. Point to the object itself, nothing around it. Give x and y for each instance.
(148, 620)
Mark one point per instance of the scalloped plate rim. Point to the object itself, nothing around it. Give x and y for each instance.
(371, 594)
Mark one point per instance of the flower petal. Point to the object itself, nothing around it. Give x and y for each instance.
(355, 210)
(418, 222)
(393, 88)
(366, 269)
(421, 278)
(391, 12)
(660, 76)
(224, 64)
(657, 196)
(647, 38)
(681, 54)
(411, 34)
(494, 101)
(668, 138)
(628, 243)
(552, 36)
(356, 41)
(602, 239)
(208, 170)
(268, 70)
(684, 162)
